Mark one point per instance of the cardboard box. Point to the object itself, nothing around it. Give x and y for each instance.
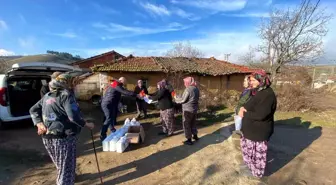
(133, 138)
(136, 134)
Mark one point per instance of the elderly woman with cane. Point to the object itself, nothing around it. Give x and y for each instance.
(189, 103)
(258, 124)
(58, 120)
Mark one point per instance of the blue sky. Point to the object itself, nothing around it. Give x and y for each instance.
(139, 27)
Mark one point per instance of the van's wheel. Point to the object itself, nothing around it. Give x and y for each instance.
(96, 100)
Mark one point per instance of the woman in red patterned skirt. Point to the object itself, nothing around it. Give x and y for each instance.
(258, 124)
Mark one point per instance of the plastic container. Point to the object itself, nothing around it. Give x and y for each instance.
(134, 122)
(113, 144)
(122, 144)
(238, 122)
(106, 141)
(127, 122)
(106, 146)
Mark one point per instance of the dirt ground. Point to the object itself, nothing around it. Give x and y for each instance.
(297, 155)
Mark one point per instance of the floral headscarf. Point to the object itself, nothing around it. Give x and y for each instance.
(263, 79)
(62, 81)
(189, 81)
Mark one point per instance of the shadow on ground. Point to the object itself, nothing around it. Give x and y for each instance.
(151, 125)
(291, 137)
(158, 160)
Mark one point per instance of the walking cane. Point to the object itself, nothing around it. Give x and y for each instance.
(94, 149)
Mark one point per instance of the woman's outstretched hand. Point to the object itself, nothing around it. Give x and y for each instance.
(241, 112)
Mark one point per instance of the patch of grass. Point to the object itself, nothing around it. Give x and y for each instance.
(307, 119)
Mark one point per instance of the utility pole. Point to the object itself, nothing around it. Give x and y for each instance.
(226, 56)
(312, 86)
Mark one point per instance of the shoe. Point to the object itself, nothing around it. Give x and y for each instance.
(195, 138)
(162, 133)
(246, 172)
(102, 138)
(113, 130)
(243, 167)
(188, 142)
(169, 135)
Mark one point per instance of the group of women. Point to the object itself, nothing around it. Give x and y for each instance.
(165, 98)
(58, 119)
(189, 101)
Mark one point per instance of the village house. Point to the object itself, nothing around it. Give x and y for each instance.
(98, 59)
(210, 73)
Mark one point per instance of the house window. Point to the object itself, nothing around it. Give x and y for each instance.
(145, 82)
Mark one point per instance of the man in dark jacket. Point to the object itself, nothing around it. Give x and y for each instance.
(110, 103)
(141, 105)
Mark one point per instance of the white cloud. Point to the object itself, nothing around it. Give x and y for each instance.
(67, 34)
(161, 10)
(4, 52)
(136, 50)
(103, 9)
(212, 44)
(3, 25)
(248, 14)
(181, 13)
(120, 31)
(27, 43)
(216, 5)
(154, 9)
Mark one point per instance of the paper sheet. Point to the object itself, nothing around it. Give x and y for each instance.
(147, 100)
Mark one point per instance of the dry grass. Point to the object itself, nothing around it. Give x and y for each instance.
(304, 99)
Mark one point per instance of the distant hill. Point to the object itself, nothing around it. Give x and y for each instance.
(42, 58)
(6, 62)
(6, 58)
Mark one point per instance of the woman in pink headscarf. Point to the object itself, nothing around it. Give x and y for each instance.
(258, 124)
(189, 103)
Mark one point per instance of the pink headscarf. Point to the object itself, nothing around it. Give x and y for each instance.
(263, 79)
(189, 81)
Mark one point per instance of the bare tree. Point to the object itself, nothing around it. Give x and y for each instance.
(252, 59)
(293, 35)
(184, 50)
(249, 58)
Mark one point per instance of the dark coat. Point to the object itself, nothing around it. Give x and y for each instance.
(137, 90)
(258, 121)
(113, 93)
(59, 112)
(164, 98)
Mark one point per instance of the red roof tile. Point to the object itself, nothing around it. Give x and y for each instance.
(208, 66)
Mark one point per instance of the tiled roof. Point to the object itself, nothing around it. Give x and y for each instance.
(207, 66)
(98, 56)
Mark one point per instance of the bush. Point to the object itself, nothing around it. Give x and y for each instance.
(294, 98)
(302, 98)
(211, 100)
